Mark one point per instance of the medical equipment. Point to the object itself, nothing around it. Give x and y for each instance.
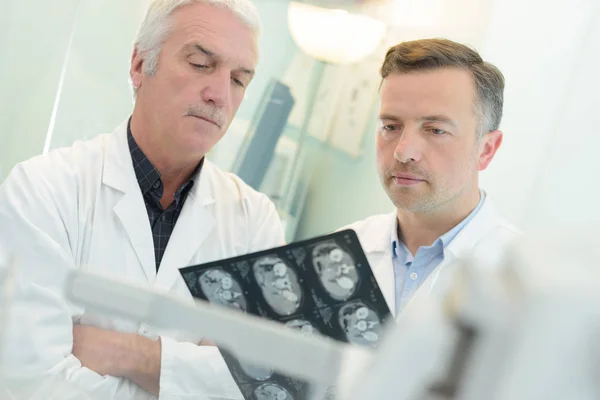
(523, 331)
(526, 330)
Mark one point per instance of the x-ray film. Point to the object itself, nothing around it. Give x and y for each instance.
(321, 286)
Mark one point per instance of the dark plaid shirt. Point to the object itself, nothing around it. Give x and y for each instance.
(162, 221)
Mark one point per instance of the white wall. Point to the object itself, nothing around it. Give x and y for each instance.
(538, 46)
(566, 195)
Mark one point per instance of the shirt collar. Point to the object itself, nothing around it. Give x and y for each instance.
(146, 173)
(447, 237)
(443, 240)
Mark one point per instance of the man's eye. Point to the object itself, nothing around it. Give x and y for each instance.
(437, 132)
(198, 66)
(389, 128)
(389, 131)
(238, 82)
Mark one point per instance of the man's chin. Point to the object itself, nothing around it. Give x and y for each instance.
(409, 202)
(199, 142)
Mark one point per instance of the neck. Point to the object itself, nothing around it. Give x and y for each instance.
(174, 169)
(423, 229)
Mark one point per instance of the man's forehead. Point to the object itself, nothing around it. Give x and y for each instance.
(218, 28)
(434, 78)
(221, 47)
(437, 88)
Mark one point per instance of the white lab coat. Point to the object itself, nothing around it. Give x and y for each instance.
(82, 207)
(485, 239)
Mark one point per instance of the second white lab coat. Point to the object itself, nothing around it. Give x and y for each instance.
(81, 207)
(485, 239)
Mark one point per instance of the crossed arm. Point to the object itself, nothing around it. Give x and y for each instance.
(123, 355)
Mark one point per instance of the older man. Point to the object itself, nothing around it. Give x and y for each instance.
(138, 204)
(440, 110)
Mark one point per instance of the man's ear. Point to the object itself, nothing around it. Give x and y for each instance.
(488, 145)
(136, 70)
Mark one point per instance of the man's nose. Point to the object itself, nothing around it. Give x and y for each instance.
(409, 146)
(218, 88)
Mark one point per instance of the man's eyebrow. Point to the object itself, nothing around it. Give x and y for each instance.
(201, 49)
(389, 117)
(211, 54)
(438, 118)
(247, 71)
(427, 118)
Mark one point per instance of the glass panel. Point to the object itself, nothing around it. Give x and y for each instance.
(29, 81)
(95, 95)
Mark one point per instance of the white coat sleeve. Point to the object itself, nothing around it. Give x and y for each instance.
(189, 371)
(39, 226)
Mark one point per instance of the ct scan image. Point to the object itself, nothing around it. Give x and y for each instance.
(271, 391)
(221, 288)
(336, 269)
(320, 286)
(360, 324)
(256, 372)
(279, 284)
(303, 326)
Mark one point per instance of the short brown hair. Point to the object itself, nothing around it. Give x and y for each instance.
(427, 54)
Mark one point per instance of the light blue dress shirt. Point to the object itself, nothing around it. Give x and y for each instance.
(410, 271)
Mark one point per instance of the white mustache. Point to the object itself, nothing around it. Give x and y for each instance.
(210, 113)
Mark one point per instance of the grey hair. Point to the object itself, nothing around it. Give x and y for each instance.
(156, 25)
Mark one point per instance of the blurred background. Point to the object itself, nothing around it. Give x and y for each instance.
(305, 133)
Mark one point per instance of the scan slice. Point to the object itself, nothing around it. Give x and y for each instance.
(256, 372)
(336, 269)
(271, 391)
(303, 326)
(279, 284)
(221, 288)
(360, 323)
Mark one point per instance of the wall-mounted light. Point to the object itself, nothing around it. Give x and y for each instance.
(332, 35)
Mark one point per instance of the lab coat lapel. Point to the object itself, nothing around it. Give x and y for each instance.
(118, 173)
(193, 227)
(378, 248)
(459, 249)
(475, 231)
(384, 274)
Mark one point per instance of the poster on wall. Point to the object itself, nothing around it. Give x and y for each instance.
(344, 103)
(356, 107)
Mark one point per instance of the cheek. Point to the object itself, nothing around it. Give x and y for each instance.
(380, 158)
(446, 162)
(383, 150)
(457, 167)
(181, 82)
